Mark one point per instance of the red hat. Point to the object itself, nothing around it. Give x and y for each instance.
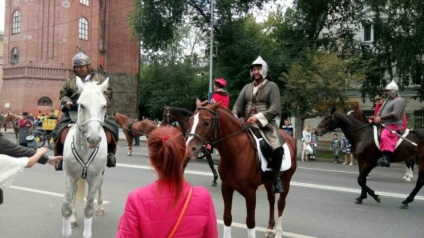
(221, 81)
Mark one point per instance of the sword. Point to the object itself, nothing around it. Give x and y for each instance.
(399, 135)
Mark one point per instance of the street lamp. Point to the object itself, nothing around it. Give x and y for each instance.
(211, 55)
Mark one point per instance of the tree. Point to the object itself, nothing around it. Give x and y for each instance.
(316, 84)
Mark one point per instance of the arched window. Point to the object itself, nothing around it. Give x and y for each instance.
(16, 22)
(14, 56)
(85, 2)
(83, 28)
(45, 101)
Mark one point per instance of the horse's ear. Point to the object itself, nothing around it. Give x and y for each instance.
(80, 84)
(216, 105)
(333, 109)
(104, 85)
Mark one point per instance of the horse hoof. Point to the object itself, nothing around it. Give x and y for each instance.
(403, 206)
(358, 202)
(100, 212)
(129, 154)
(213, 184)
(377, 198)
(73, 224)
(269, 233)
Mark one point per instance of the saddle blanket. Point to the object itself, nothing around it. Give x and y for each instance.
(377, 142)
(285, 164)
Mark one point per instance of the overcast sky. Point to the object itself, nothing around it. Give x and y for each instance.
(2, 15)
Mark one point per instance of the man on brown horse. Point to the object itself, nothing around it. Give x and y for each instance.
(391, 114)
(68, 99)
(259, 102)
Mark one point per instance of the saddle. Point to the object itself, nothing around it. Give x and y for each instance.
(377, 136)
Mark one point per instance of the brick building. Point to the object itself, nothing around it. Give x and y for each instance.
(42, 36)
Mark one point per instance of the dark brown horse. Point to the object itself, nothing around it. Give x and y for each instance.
(409, 163)
(133, 128)
(13, 119)
(239, 166)
(367, 153)
(182, 116)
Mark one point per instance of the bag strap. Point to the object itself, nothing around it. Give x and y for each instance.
(181, 214)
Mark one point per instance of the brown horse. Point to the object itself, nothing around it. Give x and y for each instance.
(182, 116)
(13, 118)
(239, 166)
(409, 163)
(367, 153)
(132, 128)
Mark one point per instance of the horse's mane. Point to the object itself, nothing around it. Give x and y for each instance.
(228, 113)
(182, 111)
(351, 120)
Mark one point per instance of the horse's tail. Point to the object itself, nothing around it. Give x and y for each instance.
(80, 192)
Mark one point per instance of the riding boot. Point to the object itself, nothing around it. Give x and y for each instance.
(384, 161)
(111, 150)
(277, 158)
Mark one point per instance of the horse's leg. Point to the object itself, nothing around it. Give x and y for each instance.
(210, 162)
(67, 208)
(362, 181)
(93, 186)
(100, 210)
(418, 186)
(271, 201)
(250, 197)
(128, 137)
(409, 170)
(286, 178)
(227, 195)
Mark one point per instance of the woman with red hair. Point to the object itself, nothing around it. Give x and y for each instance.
(170, 206)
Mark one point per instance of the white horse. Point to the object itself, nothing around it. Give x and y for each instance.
(85, 154)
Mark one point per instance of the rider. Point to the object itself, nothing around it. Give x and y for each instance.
(391, 114)
(259, 102)
(68, 100)
(219, 94)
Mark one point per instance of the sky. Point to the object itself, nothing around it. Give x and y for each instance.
(2, 15)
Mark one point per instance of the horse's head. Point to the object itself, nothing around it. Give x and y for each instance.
(92, 106)
(167, 118)
(203, 127)
(357, 114)
(327, 124)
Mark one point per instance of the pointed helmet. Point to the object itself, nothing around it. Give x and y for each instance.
(260, 62)
(81, 59)
(393, 89)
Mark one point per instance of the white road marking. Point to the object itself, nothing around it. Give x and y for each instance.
(46, 192)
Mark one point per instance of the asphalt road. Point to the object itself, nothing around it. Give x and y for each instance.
(320, 203)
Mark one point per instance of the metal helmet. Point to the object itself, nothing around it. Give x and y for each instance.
(221, 82)
(260, 62)
(81, 59)
(393, 89)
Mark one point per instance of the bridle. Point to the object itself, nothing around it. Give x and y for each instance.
(214, 129)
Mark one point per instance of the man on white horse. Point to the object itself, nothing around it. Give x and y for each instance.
(68, 98)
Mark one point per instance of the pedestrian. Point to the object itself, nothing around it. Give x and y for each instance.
(25, 126)
(306, 142)
(347, 151)
(391, 116)
(170, 206)
(259, 103)
(335, 148)
(287, 127)
(314, 144)
(68, 98)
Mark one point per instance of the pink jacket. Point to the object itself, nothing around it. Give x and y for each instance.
(148, 213)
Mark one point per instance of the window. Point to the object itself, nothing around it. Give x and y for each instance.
(85, 2)
(367, 32)
(16, 22)
(83, 29)
(45, 101)
(14, 56)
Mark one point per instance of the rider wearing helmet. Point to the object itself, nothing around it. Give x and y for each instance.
(391, 115)
(219, 94)
(68, 100)
(259, 103)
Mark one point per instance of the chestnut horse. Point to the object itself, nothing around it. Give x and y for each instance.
(13, 118)
(133, 128)
(182, 116)
(239, 167)
(367, 153)
(409, 163)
